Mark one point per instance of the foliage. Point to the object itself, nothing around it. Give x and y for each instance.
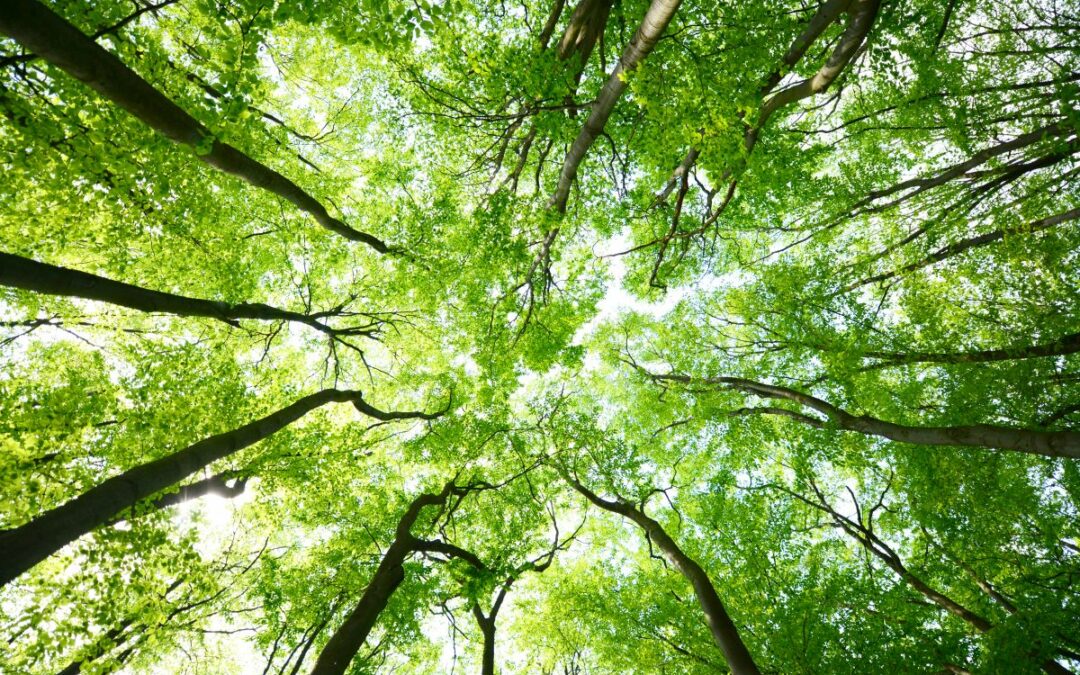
(812, 312)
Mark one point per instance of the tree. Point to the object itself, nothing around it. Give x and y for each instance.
(679, 336)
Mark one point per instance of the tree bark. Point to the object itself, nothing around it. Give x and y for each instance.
(865, 536)
(862, 14)
(76, 666)
(861, 17)
(648, 33)
(1044, 443)
(587, 23)
(41, 31)
(965, 245)
(1066, 344)
(350, 636)
(827, 14)
(552, 21)
(214, 485)
(487, 628)
(23, 547)
(30, 275)
(914, 186)
(721, 626)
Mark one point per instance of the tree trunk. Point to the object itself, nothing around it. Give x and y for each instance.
(25, 546)
(487, 664)
(865, 536)
(826, 15)
(721, 626)
(75, 667)
(862, 14)
(1045, 443)
(40, 30)
(339, 651)
(586, 25)
(723, 629)
(644, 40)
(965, 245)
(30, 275)
(1067, 344)
(349, 637)
(214, 485)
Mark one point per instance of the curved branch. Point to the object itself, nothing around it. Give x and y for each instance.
(30, 275)
(1045, 443)
(723, 629)
(63, 45)
(214, 485)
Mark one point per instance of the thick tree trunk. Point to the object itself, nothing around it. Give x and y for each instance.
(349, 637)
(652, 27)
(723, 629)
(339, 651)
(41, 31)
(1045, 443)
(29, 544)
(31, 275)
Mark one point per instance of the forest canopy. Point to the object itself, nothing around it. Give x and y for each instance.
(539, 336)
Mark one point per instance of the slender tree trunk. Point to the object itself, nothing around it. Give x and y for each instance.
(587, 23)
(30, 275)
(914, 186)
(1066, 344)
(214, 485)
(652, 27)
(552, 21)
(862, 14)
(75, 667)
(826, 15)
(1045, 443)
(865, 536)
(40, 30)
(723, 629)
(487, 628)
(976, 621)
(965, 245)
(25, 546)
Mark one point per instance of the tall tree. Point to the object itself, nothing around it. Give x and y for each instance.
(28, 544)
(758, 323)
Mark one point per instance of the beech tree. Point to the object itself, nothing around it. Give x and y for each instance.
(677, 336)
